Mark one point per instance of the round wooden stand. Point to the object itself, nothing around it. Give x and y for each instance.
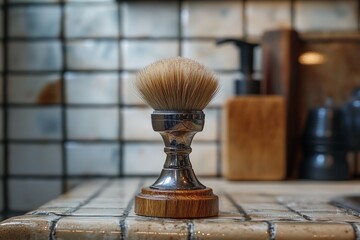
(176, 203)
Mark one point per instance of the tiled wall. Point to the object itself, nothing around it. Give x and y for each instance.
(69, 108)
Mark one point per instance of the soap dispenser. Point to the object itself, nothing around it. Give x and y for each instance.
(246, 85)
(254, 127)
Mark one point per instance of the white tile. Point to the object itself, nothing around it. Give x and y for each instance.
(92, 55)
(204, 159)
(35, 159)
(149, 158)
(92, 88)
(156, 18)
(27, 194)
(40, 88)
(212, 19)
(1, 160)
(35, 123)
(89, 228)
(326, 15)
(34, 21)
(93, 123)
(223, 57)
(265, 15)
(209, 132)
(95, 20)
(35, 55)
(92, 159)
(143, 158)
(227, 88)
(139, 53)
(128, 91)
(137, 124)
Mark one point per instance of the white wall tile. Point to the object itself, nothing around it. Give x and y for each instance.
(139, 53)
(92, 54)
(34, 88)
(92, 159)
(93, 123)
(34, 21)
(27, 194)
(150, 158)
(35, 159)
(204, 159)
(92, 88)
(212, 18)
(223, 57)
(143, 158)
(209, 132)
(95, 20)
(156, 18)
(137, 124)
(128, 91)
(35, 55)
(227, 88)
(35, 123)
(266, 15)
(326, 15)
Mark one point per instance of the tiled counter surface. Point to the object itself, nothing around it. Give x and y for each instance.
(104, 209)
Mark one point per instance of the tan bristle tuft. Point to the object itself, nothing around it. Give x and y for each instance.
(177, 84)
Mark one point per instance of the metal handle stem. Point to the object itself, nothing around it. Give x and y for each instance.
(177, 130)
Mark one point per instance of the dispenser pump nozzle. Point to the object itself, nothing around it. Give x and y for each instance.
(246, 59)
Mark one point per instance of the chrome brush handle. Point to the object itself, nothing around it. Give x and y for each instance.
(177, 130)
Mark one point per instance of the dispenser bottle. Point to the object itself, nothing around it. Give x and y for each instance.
(254, 127)
(246, 85)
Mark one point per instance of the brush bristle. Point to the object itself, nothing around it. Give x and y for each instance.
(177, 84)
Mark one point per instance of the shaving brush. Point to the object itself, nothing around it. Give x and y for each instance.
(178, 89)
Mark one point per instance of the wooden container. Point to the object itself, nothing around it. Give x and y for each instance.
(254, 145)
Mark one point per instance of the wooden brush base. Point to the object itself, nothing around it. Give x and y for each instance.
(177, 203)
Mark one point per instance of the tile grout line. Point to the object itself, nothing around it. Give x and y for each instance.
(307, 218)
(191, 230)
(271, 230)
(356, 230)
(238, 207)
(122, 224)
(345, 209)
(54, 223)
